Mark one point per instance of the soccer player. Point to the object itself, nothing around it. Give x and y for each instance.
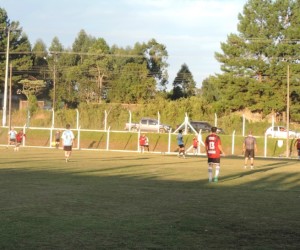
(146, 145)
(297, 145)
(12, 134)
(213, 150)
(142, 140)
(19, 139)
(67, 137)
(249, 148)
(181, 149)
(195, 145)
(57, 139)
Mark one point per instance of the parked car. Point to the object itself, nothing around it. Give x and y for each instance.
(204, 127)
(148, 124)
(280, 132)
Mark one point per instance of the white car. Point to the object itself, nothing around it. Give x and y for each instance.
(280, 132)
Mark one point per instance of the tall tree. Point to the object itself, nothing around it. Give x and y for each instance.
(19, 47)
(254, 61)
(156, 55)
(40, 64)
(134, 85)
(184, 84)
(31, 88)
(97, 65)
(56, 67)
(82, 45)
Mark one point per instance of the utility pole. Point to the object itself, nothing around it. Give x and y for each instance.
(288, 111)
(10, 97)
(54, 84)
(6, 80)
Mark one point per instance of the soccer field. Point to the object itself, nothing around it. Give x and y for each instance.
(114, 200)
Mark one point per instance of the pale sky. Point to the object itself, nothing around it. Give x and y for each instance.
(191, 30)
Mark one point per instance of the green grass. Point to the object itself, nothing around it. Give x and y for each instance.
(110, 200)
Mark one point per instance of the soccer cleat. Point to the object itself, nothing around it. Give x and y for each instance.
(216, 179)
(252, 167)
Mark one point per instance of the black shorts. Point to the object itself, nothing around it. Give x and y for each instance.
(67, 148)
(249, 153)
(213, 160)
(181, 145)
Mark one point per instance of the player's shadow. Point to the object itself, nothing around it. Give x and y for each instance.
(261, 169)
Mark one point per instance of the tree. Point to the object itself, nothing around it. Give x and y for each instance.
(254, 61)
(56, 66)
(31, 88)
(82, 45)
(76, 77)
(19, 47)
(133, 85)
(156, 56)
(95, 69)
(40, 64)
(184, 84)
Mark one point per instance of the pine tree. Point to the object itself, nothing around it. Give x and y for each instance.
(254, 61)
(184, 84)
(19, 48)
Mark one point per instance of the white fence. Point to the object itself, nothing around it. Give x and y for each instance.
(165, 143)
(168, 148)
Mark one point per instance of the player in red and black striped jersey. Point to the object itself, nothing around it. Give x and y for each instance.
(297, 145)
(213, 150)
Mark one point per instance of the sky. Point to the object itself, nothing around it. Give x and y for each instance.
(191, 30)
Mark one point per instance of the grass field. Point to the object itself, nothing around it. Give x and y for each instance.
(112, 200)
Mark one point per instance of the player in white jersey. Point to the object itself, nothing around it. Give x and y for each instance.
(67, 137)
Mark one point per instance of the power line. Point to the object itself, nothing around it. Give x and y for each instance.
(79, 53)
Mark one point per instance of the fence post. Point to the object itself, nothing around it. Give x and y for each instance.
(107, 139)
(129, 129)
(186, 121)
(232, 143)
(169, 141)
(105, 120)
(266, 143)
(51, 135)
(78, 136)
(51, 129)
(52, 125)
(158, 121)
(138, 139)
